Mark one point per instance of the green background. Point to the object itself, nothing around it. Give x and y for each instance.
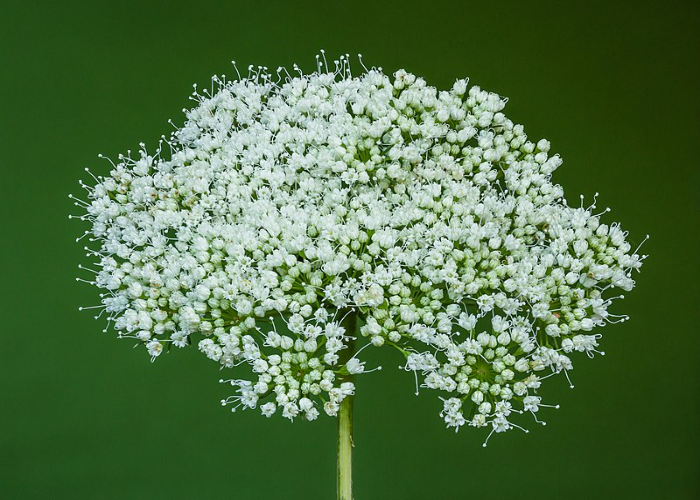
(83, 415)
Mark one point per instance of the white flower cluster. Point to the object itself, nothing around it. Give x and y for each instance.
(292, 208)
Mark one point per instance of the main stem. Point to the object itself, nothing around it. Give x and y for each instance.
(345, 443)
(345, 449)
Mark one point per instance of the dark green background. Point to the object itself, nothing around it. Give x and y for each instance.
(83, 415)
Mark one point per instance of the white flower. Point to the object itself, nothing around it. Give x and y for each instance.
(354, 366)
(268, 409)
(288, 207)
(154, 348)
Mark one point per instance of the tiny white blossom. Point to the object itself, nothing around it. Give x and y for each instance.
(154, 348)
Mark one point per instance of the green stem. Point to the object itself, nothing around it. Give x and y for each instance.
(345, 440)
(345, 449)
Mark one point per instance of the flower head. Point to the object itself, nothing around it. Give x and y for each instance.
(286, 204)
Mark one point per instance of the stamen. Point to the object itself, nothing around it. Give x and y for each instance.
(534, 415)
(493, 429)
(91, 175)
(359, 56)
(85, 308)
(640, 245)
(511, 424)
(79, 202)
(566, 374)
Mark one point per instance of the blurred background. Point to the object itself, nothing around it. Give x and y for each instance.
(613, 86)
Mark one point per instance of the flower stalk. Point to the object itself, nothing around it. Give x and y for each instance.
(345, 445)
(345, 419)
